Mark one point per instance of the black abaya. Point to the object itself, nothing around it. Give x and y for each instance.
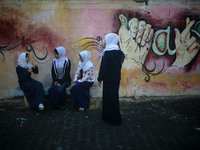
(110, 107)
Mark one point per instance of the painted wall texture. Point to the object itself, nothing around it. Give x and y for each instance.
(159, 39)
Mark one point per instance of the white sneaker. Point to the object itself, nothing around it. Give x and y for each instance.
(81, 109)
(41, 106)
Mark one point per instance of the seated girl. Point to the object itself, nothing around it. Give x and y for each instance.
(60, 72)
(83, 81)
(33, 90)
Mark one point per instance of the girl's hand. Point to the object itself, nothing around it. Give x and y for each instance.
(72, 86)
(58, 84)
(55, 83)
(33, 63)
(99, 84)
(30, 69)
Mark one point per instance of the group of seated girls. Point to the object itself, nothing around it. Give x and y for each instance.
(60, 72)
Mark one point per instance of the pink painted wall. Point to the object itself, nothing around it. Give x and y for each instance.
(160, 40)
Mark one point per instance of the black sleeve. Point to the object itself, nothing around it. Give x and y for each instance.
(23, 74)
(69, 70)
(53, 75)
(66, 77)
(35, 69)
(103, 66)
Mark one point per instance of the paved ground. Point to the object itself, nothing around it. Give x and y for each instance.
(150, 124)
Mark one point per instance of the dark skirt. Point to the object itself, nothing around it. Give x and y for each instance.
(57, 95)
(34, 93)
(110, 103)
(81, 94)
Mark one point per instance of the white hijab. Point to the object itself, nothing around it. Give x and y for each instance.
(86, 64)
(22, 61)
(60, 62)
(111, 42)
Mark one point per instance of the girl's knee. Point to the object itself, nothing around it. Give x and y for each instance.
(39, 83)
(60, 90)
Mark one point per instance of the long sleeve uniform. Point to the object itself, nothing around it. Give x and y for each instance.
(88, 75)
(24, 74)
(66, 77)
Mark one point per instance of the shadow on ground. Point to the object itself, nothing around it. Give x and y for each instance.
(150, 124)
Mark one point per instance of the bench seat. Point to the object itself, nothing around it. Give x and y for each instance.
(19, 92)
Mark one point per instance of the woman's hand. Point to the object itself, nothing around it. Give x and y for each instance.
(33, 63)
(72, 86)
(55, 83)
(99, 84)
(30, 69)
(58, 84)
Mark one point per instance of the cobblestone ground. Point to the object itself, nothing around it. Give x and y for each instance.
(150, 124)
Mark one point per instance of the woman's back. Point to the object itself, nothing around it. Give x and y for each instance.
(111, 66)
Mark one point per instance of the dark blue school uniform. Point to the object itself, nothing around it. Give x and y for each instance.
(81, 94)
(57, 95)
(33, 90)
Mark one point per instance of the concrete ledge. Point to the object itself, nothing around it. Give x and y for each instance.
(18, 91)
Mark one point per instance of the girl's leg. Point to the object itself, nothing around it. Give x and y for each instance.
(34, 93)
(82, 91)
(74, 96)
(53, 95)
(62, 93)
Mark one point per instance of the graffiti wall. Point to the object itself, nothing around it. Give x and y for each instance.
(160, 41)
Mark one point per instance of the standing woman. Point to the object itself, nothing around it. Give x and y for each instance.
(110, 74)
(83, 81)
(60, 72)
(33, 90)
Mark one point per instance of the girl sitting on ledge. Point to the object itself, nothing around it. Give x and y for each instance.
(33, 90)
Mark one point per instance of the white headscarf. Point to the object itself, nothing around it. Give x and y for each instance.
(111, 42)
(61, 60)
(86, 64)
(22, 61)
